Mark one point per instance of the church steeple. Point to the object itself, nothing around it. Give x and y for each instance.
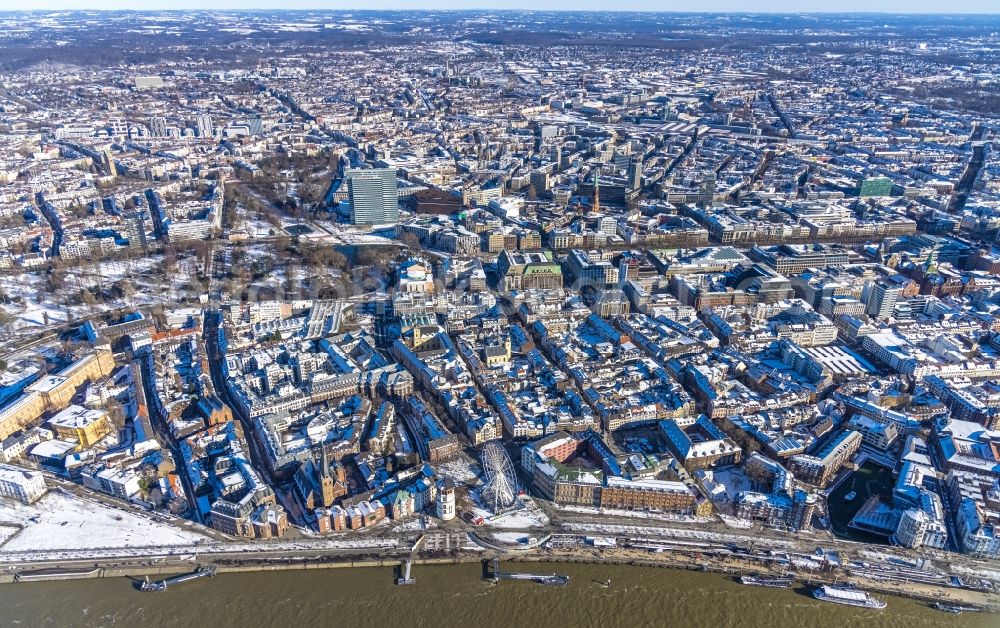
(324, 469)
(930, 267)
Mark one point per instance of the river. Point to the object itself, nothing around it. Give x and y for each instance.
(452, 595)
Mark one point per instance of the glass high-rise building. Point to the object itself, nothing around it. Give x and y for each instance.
(373, 196)
(881, 299)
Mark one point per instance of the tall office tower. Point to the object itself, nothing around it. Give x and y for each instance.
(109, 163)
(205, 128)
(541, 180)
(635, 173)
(373, 196)
(708, 188)
(597, 192)
(881, 299)
(158, 126)
(135, 229)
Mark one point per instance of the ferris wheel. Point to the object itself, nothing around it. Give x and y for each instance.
(500, 486)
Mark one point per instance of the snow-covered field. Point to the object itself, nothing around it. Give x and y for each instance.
(258, 229)
(734, 480)
(520, 519)
(41, 315)
(33, 302)
(414, 524)
(529, 515)
(27, 297)
(64, 521)
(512, 538)
(461, 470)
(7, 532)
(735, 522)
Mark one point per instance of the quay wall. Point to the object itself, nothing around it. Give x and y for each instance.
(257, 564)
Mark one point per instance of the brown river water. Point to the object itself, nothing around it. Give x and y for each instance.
(454, 595)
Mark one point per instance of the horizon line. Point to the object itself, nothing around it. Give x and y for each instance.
(489, 10)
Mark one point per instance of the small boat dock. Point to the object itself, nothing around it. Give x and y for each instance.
(496, 574)
(162, 585)
(55, 574)
(404, 570)
(954, 608)
(757, 580)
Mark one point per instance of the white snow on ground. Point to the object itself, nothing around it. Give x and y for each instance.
(460, 470)
(414, 524)
(34, 302)
(28, 299)
(529, 515)
(35, 316)
(734, 480)
(638, 514)
(512, 538)
(259, 229)
(469, 546)
(879, 555)
(334, 543)
(63, 521)
(981, 572)
(348, 235)
(734, 522)
(681, 533)
(6, 532)
(526, 518)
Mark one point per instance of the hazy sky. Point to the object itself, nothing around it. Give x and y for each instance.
(890, 6)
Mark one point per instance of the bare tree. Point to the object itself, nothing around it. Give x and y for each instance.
(412, 242)
(116, 414)
(6, 320)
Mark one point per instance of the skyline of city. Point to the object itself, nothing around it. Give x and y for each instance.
(476, 301)
(711, 6)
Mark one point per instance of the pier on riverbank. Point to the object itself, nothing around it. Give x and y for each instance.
(616, 556)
